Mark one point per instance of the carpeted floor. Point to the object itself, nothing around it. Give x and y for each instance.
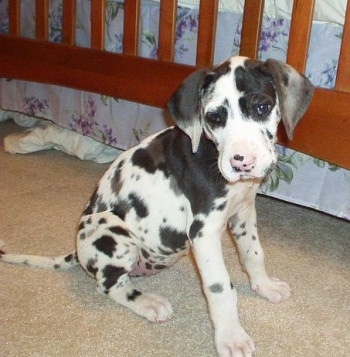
(46, 313)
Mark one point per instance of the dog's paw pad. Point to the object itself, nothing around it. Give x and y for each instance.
(273, 289)
(154, 308)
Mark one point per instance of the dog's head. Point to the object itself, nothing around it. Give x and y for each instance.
(238, 106)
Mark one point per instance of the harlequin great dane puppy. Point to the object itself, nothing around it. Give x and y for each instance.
(180, 188)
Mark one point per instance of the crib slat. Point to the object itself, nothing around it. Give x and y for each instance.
(300, 31)
(167, 28)
(42, 20)
(131, 27)
(69, 21)
(343, 72)
(251, 27)
(98, 10)
(15, 17)
(208, 12)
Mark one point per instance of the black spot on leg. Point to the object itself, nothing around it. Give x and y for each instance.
(106, 244)
(240, 235)
(111, 274)
(195, 228)
(253, 237)
(216, 288)
(133, 296)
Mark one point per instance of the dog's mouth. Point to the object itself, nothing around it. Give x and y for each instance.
(237, 175)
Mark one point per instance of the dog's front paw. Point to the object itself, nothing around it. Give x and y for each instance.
(234, 344)
(272, 289)
(154, 308)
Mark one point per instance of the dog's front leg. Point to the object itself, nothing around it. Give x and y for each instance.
(243, 226)
(230, 338)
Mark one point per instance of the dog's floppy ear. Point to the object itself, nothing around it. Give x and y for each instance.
(294, 93)
(184, 107)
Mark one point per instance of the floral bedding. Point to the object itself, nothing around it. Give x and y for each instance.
(298, 178)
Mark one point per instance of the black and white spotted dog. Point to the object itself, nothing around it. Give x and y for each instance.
(179, 189)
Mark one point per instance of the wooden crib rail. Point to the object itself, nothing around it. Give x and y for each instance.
(324, 132)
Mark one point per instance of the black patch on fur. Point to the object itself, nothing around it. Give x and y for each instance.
(195, 228)
(106, 244)
(217, 118)
(111, 274)
(91, 268)
(214, 75)
(221, 207)
(160, 266)
(216, 288)
(171, 238)
(119, 230)
(145, 254)
(259, 94)
(143, 159)
(91, 205)
(138, 204)
(69, 258)
(268, 134)
(95, 205)
(116, 181)
(194, 172)
(121, 209)
(102, 221)
(133, 296)
(240, 235)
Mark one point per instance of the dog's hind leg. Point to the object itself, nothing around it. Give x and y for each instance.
(109, 252)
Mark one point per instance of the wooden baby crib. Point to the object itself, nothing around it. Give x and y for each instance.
(324, 132)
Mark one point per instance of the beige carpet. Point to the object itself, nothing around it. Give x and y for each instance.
(46, 313)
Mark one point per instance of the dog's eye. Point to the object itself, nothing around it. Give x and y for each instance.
(263, 109)
(217, 117)
(213, 117)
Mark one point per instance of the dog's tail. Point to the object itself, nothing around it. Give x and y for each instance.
(62, 262)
